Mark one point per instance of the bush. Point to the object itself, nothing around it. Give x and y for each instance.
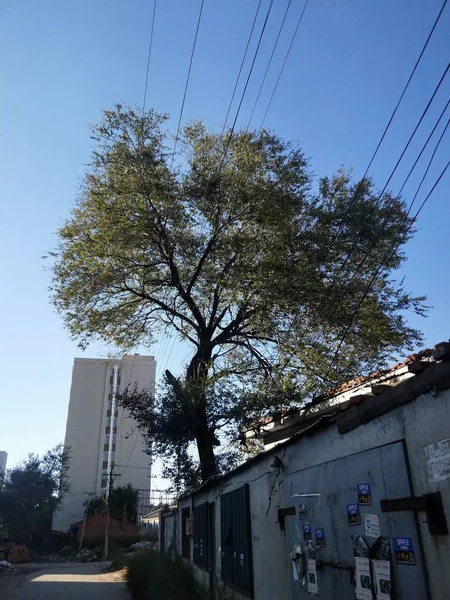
(155, 576)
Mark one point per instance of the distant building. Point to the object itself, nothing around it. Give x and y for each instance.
(3, 459)
(96, 437)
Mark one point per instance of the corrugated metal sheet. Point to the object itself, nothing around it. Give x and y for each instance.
(236, 542)
(202, 541)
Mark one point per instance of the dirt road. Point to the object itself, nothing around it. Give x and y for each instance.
(68, 582)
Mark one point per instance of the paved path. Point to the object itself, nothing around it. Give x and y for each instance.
(69, 582)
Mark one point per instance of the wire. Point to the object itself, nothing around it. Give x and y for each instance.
(387, 258)
(187, 82)
(240, 68)
(391, 211)
(405, 88)
(149, 54)
(355, 243)
(284, 63)
(230, 135)
(269, 63)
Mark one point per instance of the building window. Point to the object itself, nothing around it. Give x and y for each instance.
(236, 542)
(203, 530)
(106, 447)
(185, 537)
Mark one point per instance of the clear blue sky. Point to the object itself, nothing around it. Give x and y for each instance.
(64, 61)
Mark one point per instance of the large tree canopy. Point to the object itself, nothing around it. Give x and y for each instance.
(253, 260)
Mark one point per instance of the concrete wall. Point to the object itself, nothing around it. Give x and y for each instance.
(419, 424)
(268, 541)
(86, 433)
(3, 460)
(95, 529)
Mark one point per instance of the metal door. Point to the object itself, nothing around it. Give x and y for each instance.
(385, 469)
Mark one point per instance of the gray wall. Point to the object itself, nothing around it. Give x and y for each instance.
(416, 425)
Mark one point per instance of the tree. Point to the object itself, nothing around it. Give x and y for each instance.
(31, 494)
(122, 500)
(235, 250)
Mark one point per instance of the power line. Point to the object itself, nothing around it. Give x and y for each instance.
(284, 62)
(391, 211)
(230, 135)
(355, 243)
(394, 112)
(269, 62)
(187, 81)
(405, 88)
(231, 132)
(388, 257)
(149, 54)
(240, 68)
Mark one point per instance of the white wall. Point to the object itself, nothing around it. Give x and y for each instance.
(3, 460)
(86, 437)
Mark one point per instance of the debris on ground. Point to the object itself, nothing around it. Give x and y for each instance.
(19, 554)
(86, 555)
(144, 545)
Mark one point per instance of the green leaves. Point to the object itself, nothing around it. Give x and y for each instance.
(241, 251)
(32, 492)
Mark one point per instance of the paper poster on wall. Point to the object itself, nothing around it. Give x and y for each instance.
(353, 514)
(372, 526)
(298, 563)
(404, 551)
(307, 533)
(438, 460)
(364, 494)
(360, 548)
(320, 538)
(313, 587)
(363, 579)
(382, 576)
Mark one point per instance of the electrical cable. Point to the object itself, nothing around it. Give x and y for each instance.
(149, 54)
(231, 132)
(284, 63)
(269, 62)
(230, 135)
(391, 211)
(240, 68)
(187, 82)
(355, 243)
(387, 258)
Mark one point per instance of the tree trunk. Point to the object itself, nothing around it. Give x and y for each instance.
(197, 374)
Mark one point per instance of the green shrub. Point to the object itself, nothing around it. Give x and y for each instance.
(155, 576)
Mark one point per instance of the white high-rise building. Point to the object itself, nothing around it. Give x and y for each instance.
(3, 459)
(97, 436)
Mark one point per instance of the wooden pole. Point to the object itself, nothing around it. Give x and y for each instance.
(84, 523)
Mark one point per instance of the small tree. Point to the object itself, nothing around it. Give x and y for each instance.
(122, 500)
(235, 252)
(32, 493)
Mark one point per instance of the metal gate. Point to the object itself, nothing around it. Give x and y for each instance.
(321, 503)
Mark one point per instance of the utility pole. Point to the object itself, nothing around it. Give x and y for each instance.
(84, 522)
(111, 479)
(112, 439)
